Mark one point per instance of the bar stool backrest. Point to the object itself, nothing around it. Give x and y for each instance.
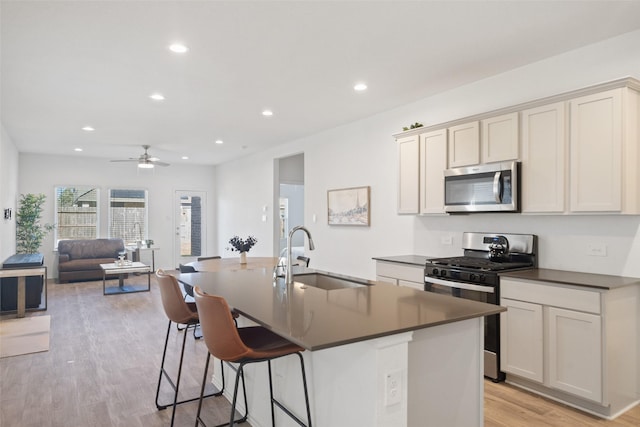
(184, 268)
(173, 302)
(219, 329)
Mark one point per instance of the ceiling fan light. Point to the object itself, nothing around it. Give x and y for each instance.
(178, 48)
(360, 87)
(145, 165)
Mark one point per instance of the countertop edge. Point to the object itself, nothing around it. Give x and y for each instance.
(499, 309)
(413, 260)
(574, 278)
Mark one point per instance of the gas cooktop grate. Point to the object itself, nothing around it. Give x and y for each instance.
(477, 263)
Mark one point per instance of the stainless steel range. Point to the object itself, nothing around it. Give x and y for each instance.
(475, 276)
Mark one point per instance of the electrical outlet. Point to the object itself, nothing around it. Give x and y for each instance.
(393, 388)
(597, 249)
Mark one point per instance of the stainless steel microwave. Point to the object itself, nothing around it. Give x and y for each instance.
(482, 188)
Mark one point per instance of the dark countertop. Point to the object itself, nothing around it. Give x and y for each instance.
(589, 280)
(317, 319)
(418, 260)
(24, 261)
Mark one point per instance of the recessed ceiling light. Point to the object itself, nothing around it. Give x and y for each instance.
(185, 157)
(219, 141)
(88, 129)
(157, 97)
(359, 87)
(178, 48)
(267, 113)
(77, 149)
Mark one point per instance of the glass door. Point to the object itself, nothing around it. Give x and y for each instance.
(190, 226)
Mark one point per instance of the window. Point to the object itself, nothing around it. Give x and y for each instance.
(76, 212)
(128, 215)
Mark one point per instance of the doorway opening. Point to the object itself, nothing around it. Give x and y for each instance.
(289, 200)
(190, 226)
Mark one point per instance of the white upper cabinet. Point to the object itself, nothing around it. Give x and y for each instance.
(499, 138)
(543, 158)
(492, 140)
(408, 174)
(464, 145)
(579, 152)
(596, 152)
(433, 162)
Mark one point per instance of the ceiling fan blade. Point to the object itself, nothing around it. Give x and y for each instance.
(144, 159)
(157, 163)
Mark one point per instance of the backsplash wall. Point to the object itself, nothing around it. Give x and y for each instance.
(563, 240)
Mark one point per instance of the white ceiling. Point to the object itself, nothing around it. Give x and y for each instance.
(68, 64)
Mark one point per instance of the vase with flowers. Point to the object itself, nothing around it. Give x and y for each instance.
(243, 246)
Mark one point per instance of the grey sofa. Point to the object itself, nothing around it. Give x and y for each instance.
(81, 259)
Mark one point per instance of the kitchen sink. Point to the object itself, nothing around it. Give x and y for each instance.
(326, 282)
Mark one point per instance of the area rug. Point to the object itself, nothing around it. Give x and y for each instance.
(25, 335)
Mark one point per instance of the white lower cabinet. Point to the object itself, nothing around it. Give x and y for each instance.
(574, 352)
(400, 274)
(521, 338)
(578, 345)
(553, 335)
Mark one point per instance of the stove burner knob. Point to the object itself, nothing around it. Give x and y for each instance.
(443, 273)
(472, 277)
(434, 271)
(482, 278)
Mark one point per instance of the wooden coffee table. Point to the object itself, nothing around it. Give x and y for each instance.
(114, 269)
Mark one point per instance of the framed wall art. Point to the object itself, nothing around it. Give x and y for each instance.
(349, 206)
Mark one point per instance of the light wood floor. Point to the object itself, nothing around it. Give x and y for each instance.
(104, 357)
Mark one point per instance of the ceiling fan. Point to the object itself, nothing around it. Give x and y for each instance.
(145, 161)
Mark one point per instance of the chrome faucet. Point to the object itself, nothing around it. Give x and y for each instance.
(288, 278)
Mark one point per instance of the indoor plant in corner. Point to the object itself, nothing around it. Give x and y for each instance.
(243, 246)
(29, 230)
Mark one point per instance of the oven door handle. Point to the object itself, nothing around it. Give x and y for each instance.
(460, 285)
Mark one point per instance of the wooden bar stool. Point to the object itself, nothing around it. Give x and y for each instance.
(182, 312)
(243, 346)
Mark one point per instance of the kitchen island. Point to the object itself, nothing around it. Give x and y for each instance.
(379, 355)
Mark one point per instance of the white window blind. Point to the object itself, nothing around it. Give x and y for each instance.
(128, 215)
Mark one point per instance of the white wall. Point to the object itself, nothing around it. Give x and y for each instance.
(364, 153)
(41, 173)
(8, 193)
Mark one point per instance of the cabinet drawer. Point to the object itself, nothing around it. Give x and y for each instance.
(400, 271)
(414, 285)
(551, 295)
(386, 279)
